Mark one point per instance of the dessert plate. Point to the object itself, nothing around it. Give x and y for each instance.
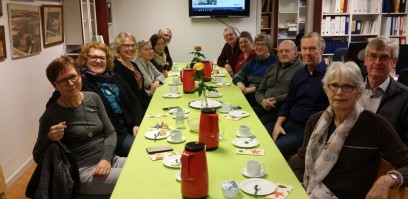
(172, 161)
(183, 138)
(151, 134)
(244, 172)
(265, 186)
(174, 110)
(238, 113)
(171, 95)
(240, 142)
(211, 103)
(214, 95)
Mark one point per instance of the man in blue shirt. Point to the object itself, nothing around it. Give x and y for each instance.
(305, 97)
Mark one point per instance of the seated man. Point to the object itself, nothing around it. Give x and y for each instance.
(305, 97)
(383, 95)
(230, 52)
(274, 87)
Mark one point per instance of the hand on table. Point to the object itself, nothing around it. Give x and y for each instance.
(229, 69)
(56, 132)
(165, 73)
(102, 169)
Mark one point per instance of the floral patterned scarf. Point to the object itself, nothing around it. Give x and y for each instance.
(321, 156)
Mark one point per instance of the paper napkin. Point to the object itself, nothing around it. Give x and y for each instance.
(282, 191)
(228, 117)
(250, 151)
(157, 115)
(160, 156)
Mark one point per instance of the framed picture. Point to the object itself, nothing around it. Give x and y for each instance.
(52, 25)
(24, 23)
(3, 51)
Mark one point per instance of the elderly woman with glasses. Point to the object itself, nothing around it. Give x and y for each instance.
(78, 120)
(152, 77)
(250, 76)
(124, 50)
(344, 144)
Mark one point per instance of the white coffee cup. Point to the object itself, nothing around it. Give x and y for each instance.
(176, 80)
(176, 67)
(215, 70)
(173, 89)
(218, 79)
(226, 107)
(254, 167)
(244, 131)
(175, 134)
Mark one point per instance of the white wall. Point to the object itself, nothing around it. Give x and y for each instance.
(24, 91)
(143, 18)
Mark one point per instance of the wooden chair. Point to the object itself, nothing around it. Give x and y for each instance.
(3, 185)
(401, 193)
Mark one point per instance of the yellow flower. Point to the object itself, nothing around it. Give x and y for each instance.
(198, 66)
(197, 48)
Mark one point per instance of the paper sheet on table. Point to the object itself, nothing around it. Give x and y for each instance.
(157, 115)
(282, 191)
(250, 151)
(160, 156)
(228, 117)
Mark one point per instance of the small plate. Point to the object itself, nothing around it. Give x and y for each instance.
(183, 138)
(171, 95)
(174, 110)
(244, 172)
(185, 116)
(219, 75)
(240, 142)
(151, 133)
(266, 186)
(178, 176)
(244, 136)
(211, 103)
(172, 161)
(215, 95)
(238, 113)
(222, 111)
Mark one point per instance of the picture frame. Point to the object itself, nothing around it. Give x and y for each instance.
(25, 36)
(3, 50)
(52, 25)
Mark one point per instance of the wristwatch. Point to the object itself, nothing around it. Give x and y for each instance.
(395, 178)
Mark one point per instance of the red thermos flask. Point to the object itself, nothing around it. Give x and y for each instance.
(208, 132)
(194, 172)
(187, 77)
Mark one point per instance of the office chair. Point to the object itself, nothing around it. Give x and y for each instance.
(403, 77)
(340, 54)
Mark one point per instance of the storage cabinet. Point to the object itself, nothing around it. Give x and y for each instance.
(291, 19)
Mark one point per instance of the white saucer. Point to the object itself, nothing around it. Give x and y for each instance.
(238, 113)
(222, 111)
(173, 84)
(240, 142)
(266, 186)
(244, 136)
(172, 161)
(183, 138)
(178, 176)
(217, 94)
(151, 134)
(171, 95)
(219, 75)
(244, 172)
(174, 110)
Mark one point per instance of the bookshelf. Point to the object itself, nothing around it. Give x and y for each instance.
(345, 21)
(267, 17)
(291, 19)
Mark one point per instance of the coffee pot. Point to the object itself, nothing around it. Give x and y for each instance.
(208, 132)
(187, 77)
(207, 69)
(194, 172)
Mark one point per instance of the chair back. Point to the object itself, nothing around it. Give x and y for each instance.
(401, 193)
(403, 77)
(340, 54)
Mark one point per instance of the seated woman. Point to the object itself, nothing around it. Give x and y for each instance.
(152, 77)
(246, 44)
(159, 58)
(344, 144)
(124, 50)
(79, 120)
(250, 76)
(121, 104)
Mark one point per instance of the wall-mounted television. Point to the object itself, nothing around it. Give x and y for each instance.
(218, 8)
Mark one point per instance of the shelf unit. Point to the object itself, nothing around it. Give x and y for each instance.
(359, 20)
(267, 17)
(291, 19)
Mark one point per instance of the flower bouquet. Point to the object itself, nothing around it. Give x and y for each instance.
(202, 87)
(198, 56)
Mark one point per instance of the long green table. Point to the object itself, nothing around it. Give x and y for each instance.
(143, 178)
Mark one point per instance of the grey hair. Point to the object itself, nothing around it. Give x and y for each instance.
(290, 43)
(348, 70)
(160, 32)
(264, 38)
(382, 42)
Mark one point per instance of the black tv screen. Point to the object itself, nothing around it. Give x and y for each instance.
(218, 8)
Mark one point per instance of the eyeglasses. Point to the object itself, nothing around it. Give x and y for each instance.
(345, 88)
(228, 35)
(373, 57)
(260, 44)
(94, 58)
(127, 46)
(312, 49)
(64, 82)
